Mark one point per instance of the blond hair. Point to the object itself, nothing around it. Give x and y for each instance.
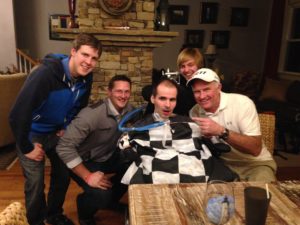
(188, 54)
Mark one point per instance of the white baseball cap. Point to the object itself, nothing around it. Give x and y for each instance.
(205, 74)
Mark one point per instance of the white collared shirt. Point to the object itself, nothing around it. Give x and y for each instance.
(237, 113)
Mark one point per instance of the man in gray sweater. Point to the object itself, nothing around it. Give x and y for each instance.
(89, 149)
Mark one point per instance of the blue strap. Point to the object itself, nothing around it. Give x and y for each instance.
(130, 115)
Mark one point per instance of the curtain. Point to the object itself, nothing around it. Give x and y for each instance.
(274, 39)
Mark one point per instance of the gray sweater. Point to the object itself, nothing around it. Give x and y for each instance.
(92, 135)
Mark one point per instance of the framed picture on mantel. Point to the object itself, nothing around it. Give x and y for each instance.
(57, 21)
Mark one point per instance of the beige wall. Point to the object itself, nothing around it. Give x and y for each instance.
(247, 44)
(7, 37)
(32, 26)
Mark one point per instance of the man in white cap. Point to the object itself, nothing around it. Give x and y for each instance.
(232, 119)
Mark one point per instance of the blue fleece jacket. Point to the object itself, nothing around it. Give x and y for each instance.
(48, 100)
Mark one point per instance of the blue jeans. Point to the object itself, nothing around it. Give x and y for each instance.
(37, 208)
(93, 199)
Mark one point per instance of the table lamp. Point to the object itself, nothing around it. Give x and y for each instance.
(210, 54)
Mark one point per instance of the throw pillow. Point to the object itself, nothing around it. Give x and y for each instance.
(246, 83)
(293, 91)
(275, 89)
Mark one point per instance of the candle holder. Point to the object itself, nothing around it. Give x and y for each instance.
(162, 16)
(72, 10)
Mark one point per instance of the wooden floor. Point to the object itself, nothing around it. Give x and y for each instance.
(11, 189)
(11, 183)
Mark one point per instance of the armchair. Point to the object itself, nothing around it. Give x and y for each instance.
(14, 214)
(10, 86)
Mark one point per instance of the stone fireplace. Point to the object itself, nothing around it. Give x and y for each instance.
(128, 41)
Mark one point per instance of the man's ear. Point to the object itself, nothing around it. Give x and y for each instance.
(220, 86)
(108, 91)
(152, 99)
(73, 51)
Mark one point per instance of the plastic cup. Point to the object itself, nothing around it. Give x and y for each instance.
(256, 205)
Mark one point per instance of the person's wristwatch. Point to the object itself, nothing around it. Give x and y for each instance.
(224, 134)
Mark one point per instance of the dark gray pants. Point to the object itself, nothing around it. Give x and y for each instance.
(36, 206)
(93, 199)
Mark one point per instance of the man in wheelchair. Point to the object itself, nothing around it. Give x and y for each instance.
(172, 150)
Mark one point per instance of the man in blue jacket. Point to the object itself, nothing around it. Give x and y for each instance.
(52, 95)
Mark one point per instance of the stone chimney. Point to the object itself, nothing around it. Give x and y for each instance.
(128, 40)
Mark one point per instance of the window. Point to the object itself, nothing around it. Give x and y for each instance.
(289, 65)
(292, 62)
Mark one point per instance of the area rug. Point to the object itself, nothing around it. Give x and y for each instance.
(8, 156)
(292, 160)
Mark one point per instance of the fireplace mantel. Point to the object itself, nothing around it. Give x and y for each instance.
(122, 38)
(128, 44)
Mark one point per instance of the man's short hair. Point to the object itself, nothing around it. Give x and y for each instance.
(87, 39)
(166, 81)
(118, 78)
(188, 54)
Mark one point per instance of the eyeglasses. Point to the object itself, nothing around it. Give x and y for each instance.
(121, 92)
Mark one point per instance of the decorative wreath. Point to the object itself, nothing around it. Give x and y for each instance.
(115, 7)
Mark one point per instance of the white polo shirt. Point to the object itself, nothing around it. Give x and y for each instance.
(237, 113)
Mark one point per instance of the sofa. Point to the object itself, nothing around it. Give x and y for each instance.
(282, 98)
(14, 213)
(246, 83)
(10, 86)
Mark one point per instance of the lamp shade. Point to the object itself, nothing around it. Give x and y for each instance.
(211, 50)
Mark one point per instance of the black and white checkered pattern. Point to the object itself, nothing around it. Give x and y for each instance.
(172, 153)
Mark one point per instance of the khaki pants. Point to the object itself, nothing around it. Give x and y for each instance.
(254, 171)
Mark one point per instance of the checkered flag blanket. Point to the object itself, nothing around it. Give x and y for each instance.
(172, 153)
